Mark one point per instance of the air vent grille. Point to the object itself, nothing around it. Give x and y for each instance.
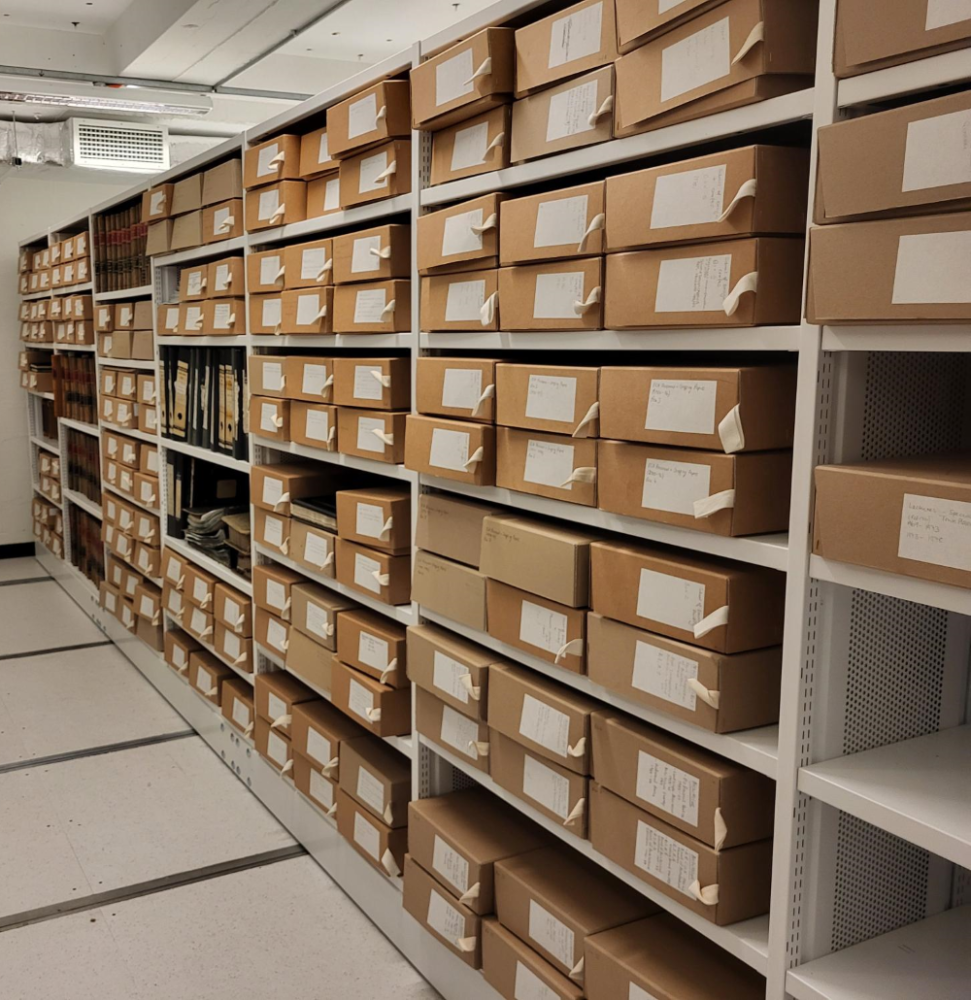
(120, 145)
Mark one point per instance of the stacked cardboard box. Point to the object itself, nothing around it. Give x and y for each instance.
(129, 465)
(48, 525)
(130, 594)
(73, 317)
(125, 330)
(128, 399)
(57, 267)
(36, 326)
(49, 476)
(211, 301)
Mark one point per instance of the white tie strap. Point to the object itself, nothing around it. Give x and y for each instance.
(721, 829)
(576, 973)
(381, 378)
(576, 813)
(281, 720)
(285, 546)
(466, 944)
(284, 498)
(248, 731)
(240, 660)
(279, 213)
(325, 270)
(388, 310)
(383, 579)
(386, 528)
(578, 749)
(277, 160)
(471, 894)
(331, 766)
(474, 690)
(478, 748)
(277, 422)
(711, 698)
(572, 648)
(288, 767)
(487, 311)
(279, 274)
(708, 506)
(708, 896)
(390, 171)
(485, 69)
(381, 115)
(581, 308)
(389, 671)
(226, 224)
(388, 814)
(212, 692)
(384, 436)
(596, 223)
(489, 223)
(747, 190)
(496, 143)
(384, 253)
(373, 714)
(730, 431)
(604, 109)
(475, 457)
(756, 35)
(321, 313)
(389, 864)
(711, 622)
(487, 393)
(583, 429)
(327, 386)
(748, 283)
(585, 474)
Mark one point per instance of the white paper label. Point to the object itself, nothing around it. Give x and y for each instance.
(696, 60)
(367, 836)
(933, 268)
(312, 263)
(575, 36)
(316, 549)
(276, 748)
(369, 520)
(276, 595)
(276, 635)
(668, 788)
(569, 112)
(561, 222)
(323, 150)
(693, 284)
(317, 620)
(450, 865)
(263, 164)
(221, 280)
(941, 13)
(635, 992)
(938, 152)
(359, 700)
(317, 425)
(445, 919)
(691, 198)
(372, 651)
(267, 418)
(670, 599)
(241, 713)
(937, 531)
(674, 486)
(321, 789)
(313, 379)
(529, 986)
(272, 490)
(332, 195)
(198, 622)
(464, 301)
(156, 202)
(666, 859)
(275, 707)
(171, 318)
(193, 317)
(557, 295)
(370, 790)
(362, 260)
(542, 627)
(174, 570)
(222, 316)
(146, 607)
(543, 785)
(362, 116)
(548, 464)
(551, 934)
(273, 531)
(458, 236)
(366, 386)
(469, 146)
(462, 387)
(369, 305)
(447, 676)
(664, 675)
(367, 440)
(308, 309)
(453, 78)
(681, 405)
(370, 170)
(551, 397)
(449, 449)
(269, 203)
(178, 653)
(364, 570)
(459, 732)
(272, 376)
(200, 590)
(194, 288)
(271, 313)
(232, 647)
(545, 725)
(319, 747)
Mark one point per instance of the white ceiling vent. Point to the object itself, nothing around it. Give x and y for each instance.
(108, 145)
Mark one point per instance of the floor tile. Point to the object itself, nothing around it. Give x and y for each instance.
(39, 616)
(27, 568)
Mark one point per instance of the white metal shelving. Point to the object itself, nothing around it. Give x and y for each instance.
(349, 218)
(247, 675)
(220, 248)
(364, 341)
(46, 445)
(909, 78)
(89, 348)
(79, 425)
(386, 469)
(132, 432)
(138, 292)
(141, 364)
(205, 454)
(209, 564)
(203, 340)
(94, 509)
(952, 338)
(129, 498)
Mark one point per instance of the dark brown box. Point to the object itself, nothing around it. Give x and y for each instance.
(441, 914)
(465, 737)
(377, 778)
(452, 669)
(384, 577)
(383, 710)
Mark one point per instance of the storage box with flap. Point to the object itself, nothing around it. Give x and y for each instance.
(236, 650)
(568, 222)
(307, 265)
(276, 204)
(313, 547)
(374, 434)
(157, 203)
(637, 21)
(550, 465)
(380, 845)
(223, 221)
(560, 399)
(373, 254)
(314, 424)
(467, 300)
(461, 237)
(276, 159)
(452, 449)
(237, 705)
(233, 609)
(381, 172)
(308, 310)
(371, 643)
(378, 516)
(554, 295)
(274, 486)
(273, 589)
(453, 590)
(454, 670)
(378, 778)
(310, 661)
(308, 780)
(186, 196)
(316, 610)
(459, 734)
(276, 694)
(224, 317)
(272, 633)
(379, 575)
(372, 383)
(452, 526)
(475, 146)
(464, 388)
(273, 747)
(315, 155)
(207, 675)
(439, 911)
(265, 271)
(373, 307)
(309, 378)
(272, 531)
(383, 710)
(270, 418)
(379, 113)
(510, 966)
(223, 182)
(320, 732)
(324, 195)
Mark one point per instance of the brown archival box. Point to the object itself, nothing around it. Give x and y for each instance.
(462, 388)
(508, 963)
(451, 589)
(440, 661)
(440, 912)
(452, 527)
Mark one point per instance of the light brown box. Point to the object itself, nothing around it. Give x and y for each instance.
(440, 93)
(104, 319)
(148, 460)
(372, 254)
(667, 485)
(310, 661)
(233, 610)
(148, 419)
(271, 632)
(450, 589)
(371, 116)
(186, 197)
(451, 449)
(543, 558)
(372, 434)
(441, 914)
(174, 567)
(474, 146)
(266, 313)
(315, 155)
(324, 195)
(373, 307)
(631, 838)
(556, 398)
(126, 387)
(159, 237)
(383, 710)
(151, 635)
(224, 317)
(276, 204)
(199, 624)
(464, 388)
(460, 237)
(276, 159)
(126, 614)
(264, 271)
(371, 643)
(764, 187)
(186, 230)
(894, 270)
(271, 531)
(207, 675)
(178, 647)
(377, 778)
(147, 490)
(276, 694)
(309, 378)
(458, 733)
(907, 516)
(273, 746)
(191, 319)
(193, 284)
(167, 319)
(223, 182)
(579, 900)
(156, 203)
(274, 486)
(548, 465)
(557, 119)
(272, 589)
(684, 596)
(146, 528)
(314, 425)
(468, 300)
(637, 22)
(270, 418)
(236, 650)
(904, 32)
(372, 383)
(658, 85)
(124, 316)
(148, 603)
(378, 517)
(308, 265)
(381, 172)
(556, 295)
(142, 345)
(146, 389)
(384, 577)
(308, 780)
(320, 732)
(267, 375)
(652, 288)
(237, 705)
(568, 222)
(567, 43)
(316, 610)
(507, 961)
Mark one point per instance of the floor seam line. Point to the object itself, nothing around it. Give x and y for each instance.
(29, 579)
(55, 649)
(99, 751)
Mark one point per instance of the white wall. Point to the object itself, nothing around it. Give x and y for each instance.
(29, 204)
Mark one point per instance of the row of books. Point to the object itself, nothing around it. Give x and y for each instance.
(119, 240)
(87, 549)
(84, 465)
(76, 387)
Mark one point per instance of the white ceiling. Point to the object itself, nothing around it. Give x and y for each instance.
(94, 16)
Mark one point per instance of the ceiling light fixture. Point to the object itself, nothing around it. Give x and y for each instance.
(104, 104)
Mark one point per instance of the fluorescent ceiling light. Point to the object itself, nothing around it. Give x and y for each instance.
(118, 104)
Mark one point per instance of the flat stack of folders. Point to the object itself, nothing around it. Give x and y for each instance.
(204, 392)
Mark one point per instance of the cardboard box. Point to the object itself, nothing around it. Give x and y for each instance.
(731, 495)
(466, 737)
(146, 389)
(274, 486)
(904, 32)
(895, 270)
(381, 172)
(309, 378)
(711, 63)
(637, 22)
(383, 710)
(273, 588)
(151, 635)
(308, 780)
(637, 841)
(373, 254)
(379, 113)
(376, 842)
(186, 196)
(663, 957)
(148, 419)
(475, 146)
(124, 316)
(198, 623)
(384, 577)
(271, 531)
(558, 118)
(373, 307)
(568, 222)
(371, 643)
(207, 675)
(156, 203)
(378, 778)
(167, 319)
(468, 300)
(542, 558)
(556, 398)
(558, 295)
(763, 188)
(186, 230)
(148, 603)
(308, 310)
(267, 375)
(510, 966)
(191, 319)
(319, 732)
(147, 490)
(458, 838)
(907, 516)
(315, 155)
(142, 346)
(713, 799)
(442, 914)
(452, 527)
(266, 314)
(567, 43)
(224, 317)
(277, 694)
(159, 238)
(265, 271)
(223, 182)
(273, 746)
(233, 609)
(548, 465)
(276, 204)
(237, 705)
(199, 587)
(312, 547)
(310, 661)
(460, 237)
(451, 449)
(372, 434)
(307, 265)
(372, 383)
(730, 409)
(178, 645)
(276, 159)
(452, 669)
(379, 517)
(707, 284)
(223, 221)
(709, 602)
(553, 899)
(315, 611)
(445, 89)
(464, 388)
(270, 418)
(271, 632)
(235, 649)
(450, 589)
(323, 195)
(174, 568)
